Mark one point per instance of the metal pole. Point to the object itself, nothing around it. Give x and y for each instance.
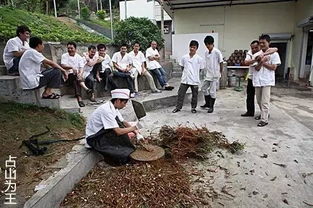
(97, 2)
(111, 19)
(162, 28)
(101, 8)
(55, 8)
(125, 9)
(78, 7)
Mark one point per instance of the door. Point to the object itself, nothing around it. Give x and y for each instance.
(280, 73)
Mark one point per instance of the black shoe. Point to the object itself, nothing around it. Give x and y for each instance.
(247, 114)
(262, 123)
(193, 110)
(175, 110)
(81, 104)
(207, 101)
(211, 103)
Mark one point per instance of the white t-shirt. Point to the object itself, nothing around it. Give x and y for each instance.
(265, 77)
(152, 64)
(75, 61)
(14, 44)
(192, 66)
(103, 117)
(106, 63)
(30, 69)
(137, 60)
(88, 67)
(212, 64)
(124, 61)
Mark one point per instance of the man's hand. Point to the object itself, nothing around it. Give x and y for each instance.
(265, 59)
(98, 78)
(75, 71)
(65, 75)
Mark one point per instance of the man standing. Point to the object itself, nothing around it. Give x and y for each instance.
(264, 78)
(138, 60)
(214, 68)
(251, 61)
(15, 48)
(31, 76)
(123, 65)
(74, 64)
(153, 56)
(107, 131)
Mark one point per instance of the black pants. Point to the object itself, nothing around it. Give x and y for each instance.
(250, 97)
(90, 81)
(51, 78)
(14, 68)
(74, 82)
(126, 76)
(105, 74)
(182, 92)
(115, 148)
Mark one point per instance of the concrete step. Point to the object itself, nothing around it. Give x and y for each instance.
(10, 91)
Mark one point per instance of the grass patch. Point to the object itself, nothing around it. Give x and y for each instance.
(46, 27)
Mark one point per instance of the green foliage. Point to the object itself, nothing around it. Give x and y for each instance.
(101, 14)
(29, 5)
(85, 13)
(139, 30)
(46, 27)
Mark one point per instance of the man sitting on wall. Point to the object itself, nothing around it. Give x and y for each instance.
(15, 48)
(74, 63)
(31, 76)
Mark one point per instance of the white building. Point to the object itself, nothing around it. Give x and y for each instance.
(237, 22)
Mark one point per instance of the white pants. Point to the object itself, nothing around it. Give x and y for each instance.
(209, 88)
(149, 78)
(263, 96)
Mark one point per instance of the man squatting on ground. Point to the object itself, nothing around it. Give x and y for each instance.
(250, 61)
(264, 78)
(14, 49)
(31, 76)
(213, 66)
(107, 131)
(191, 65)
(138, 60)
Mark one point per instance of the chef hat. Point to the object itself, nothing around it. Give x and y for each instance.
(120, 93)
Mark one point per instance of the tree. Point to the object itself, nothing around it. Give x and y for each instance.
(140, 30)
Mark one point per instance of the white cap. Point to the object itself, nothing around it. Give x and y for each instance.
(120, 93)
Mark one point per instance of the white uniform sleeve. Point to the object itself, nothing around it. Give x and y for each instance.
(220, 57)
(202, 63)
(109, 121)
(248, 56)
(114, 58)
(120, 116)
(148, 53)
(142, 57)
(81, 62)
(37, 57)
(11, 46)
(275, 59)
(64, 59)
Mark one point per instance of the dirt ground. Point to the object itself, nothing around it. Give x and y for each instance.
(18, 123)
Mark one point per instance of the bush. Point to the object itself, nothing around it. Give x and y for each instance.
(46, 27)
(85, 13)
(140, 30)
(101, 14)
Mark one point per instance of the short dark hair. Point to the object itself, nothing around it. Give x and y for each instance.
(255, 41)
(71, 43)
(22, 29)
(91, 47)
(100, 46)
(208, 40)
(115, 99)
(136, 42)
(265, 37)
(194, 43)
(124, 45)
(34, 42)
